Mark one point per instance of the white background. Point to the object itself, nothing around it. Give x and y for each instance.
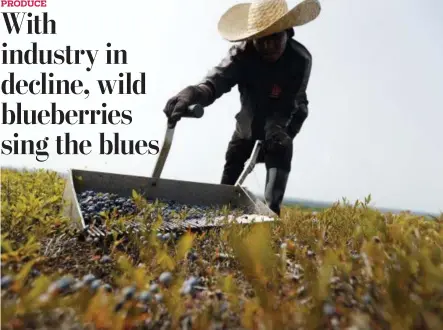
(376, 108)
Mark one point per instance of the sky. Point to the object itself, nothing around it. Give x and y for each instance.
(376, 101)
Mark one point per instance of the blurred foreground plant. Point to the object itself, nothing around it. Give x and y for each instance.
(348, 266)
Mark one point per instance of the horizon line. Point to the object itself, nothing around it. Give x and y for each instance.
(325, 204)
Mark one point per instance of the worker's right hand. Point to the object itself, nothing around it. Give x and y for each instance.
(178, 104)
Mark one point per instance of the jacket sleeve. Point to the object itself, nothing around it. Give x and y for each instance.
(224, 76)
(301, 110)
(295, 109)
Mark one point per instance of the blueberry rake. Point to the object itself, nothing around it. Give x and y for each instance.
(156, 188)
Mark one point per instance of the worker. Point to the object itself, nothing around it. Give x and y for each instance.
(271, 70)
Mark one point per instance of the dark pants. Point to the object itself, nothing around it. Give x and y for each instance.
(239, 151)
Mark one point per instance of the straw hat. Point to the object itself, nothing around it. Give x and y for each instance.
(265, 17)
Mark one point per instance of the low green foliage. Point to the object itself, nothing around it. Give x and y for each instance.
(344, 267)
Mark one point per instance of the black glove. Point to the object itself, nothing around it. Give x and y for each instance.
(277, 139)
(178, 105)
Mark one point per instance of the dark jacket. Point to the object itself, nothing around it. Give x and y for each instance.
(271, 94)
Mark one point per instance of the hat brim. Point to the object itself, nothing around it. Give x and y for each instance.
(233, 25)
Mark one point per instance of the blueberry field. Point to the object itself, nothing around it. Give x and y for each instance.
(344, 267)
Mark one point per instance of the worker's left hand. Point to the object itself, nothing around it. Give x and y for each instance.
(277, 140)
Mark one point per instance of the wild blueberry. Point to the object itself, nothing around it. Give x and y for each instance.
(310, 253)
(35, 272)
(367, 298)
(192, 256)
(95, 284)
(129, 292)
(6, 281)
(154, 288)
(107, 287)
(145, 297)
(119, 306)
(106, 258)
(188, 286)
(219, 294)
(193, 280)
(61, 285)
(328, 309)
(186, 289)
(165, 278)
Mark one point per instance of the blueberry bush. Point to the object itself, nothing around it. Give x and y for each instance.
(345, 267)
